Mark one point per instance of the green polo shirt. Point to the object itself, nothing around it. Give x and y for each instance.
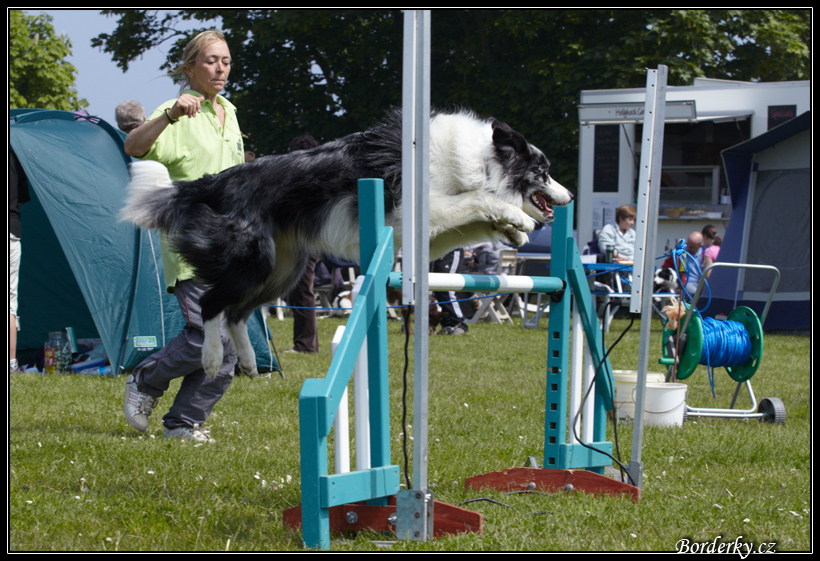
(190, 148)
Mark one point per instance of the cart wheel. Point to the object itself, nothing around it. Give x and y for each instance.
(773, 410)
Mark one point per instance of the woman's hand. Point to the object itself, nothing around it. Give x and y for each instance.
(186, 105)
(141, 139)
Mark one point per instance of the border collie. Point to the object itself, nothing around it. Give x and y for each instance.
(248, 230)
(666, 280)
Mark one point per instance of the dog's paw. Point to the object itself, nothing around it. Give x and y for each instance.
(212, 350)
(211, 361)
(508, 216)
(527, 224)
(248, 368)
(244, 350)
(515, 236)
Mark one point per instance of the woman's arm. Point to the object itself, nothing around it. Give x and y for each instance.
(605, 238)
(141, 139)
(706, 262)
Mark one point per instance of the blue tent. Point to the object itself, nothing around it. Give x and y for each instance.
(769, 178)
(81, 267)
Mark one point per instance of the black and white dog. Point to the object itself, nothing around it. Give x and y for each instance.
(666, 281)
(248, 231)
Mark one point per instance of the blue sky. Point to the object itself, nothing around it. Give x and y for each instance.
(98, 79)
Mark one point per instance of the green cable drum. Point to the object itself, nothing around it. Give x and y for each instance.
(751, 322)
(690, 356)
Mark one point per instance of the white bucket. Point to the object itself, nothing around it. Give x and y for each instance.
(665, 404)
(625, 382)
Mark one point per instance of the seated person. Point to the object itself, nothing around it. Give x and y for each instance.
(484, 259)
(453, 316)
(694, 247)
(711, 246)
(620, 237)
(689, 273)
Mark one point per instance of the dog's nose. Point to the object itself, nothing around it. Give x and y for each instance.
(557, 185)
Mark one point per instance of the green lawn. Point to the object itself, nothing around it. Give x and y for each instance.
(81, 479)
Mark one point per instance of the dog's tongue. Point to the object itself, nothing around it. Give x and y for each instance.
(543, 204)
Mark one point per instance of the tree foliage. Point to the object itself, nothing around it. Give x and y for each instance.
(39, 76)
(332, 72)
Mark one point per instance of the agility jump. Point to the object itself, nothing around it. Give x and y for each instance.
(328, 499)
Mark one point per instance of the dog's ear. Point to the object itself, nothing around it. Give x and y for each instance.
(507, 141)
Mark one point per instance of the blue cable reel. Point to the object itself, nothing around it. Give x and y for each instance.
(744, 329)
(736, 344)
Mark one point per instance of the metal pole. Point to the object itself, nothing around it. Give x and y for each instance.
(422, 245)
(414, 508)
(647, 223)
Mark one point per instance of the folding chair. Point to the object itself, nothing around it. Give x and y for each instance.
(324, 293)
(612, 297)
(618, 293)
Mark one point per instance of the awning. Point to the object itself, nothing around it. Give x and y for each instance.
(632, 113)
(725, 116)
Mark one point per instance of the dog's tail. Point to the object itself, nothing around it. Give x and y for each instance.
(149, 195)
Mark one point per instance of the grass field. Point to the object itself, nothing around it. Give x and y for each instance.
(80, 479)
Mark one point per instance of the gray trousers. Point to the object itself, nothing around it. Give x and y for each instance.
(182, 358)
(305, 334)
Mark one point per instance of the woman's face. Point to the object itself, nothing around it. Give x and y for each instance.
(626, 223)
(709, 239)
(210, 70)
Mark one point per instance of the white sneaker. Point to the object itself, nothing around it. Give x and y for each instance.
(189, 433)
(138, 406)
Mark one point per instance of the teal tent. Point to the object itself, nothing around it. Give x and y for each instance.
(81, 267)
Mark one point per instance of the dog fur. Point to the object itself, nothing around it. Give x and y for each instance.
(248, 230)
(666, 281)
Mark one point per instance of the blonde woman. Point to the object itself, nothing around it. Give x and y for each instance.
(193, 135)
